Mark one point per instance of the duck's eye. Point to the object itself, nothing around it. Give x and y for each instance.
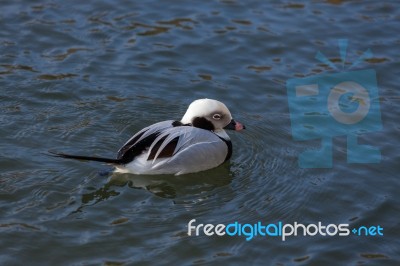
(217, 116)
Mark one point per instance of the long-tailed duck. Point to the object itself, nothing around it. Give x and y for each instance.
(195, 143)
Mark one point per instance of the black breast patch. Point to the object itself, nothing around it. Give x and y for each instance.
(229, 144)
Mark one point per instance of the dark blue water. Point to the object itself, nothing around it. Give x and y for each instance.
(82, 77)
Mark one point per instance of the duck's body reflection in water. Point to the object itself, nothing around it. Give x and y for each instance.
(164, 186)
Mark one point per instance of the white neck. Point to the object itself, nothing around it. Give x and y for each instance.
(221, 133)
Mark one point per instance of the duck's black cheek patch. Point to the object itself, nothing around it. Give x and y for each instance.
(203, 123)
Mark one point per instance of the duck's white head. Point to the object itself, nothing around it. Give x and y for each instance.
(210, 115)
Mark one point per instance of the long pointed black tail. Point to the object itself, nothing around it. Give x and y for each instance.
(86, 158)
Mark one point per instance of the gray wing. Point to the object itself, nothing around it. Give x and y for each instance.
(148, 133)
(195, 149)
